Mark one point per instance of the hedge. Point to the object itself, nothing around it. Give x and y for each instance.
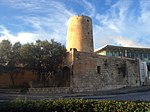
(75, 105)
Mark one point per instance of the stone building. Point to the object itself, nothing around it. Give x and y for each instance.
(84, 69)
(143, 54)
(89, 71)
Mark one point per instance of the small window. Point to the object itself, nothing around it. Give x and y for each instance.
(98, 69)
(87, 20)
(148, 67)
(88, 33)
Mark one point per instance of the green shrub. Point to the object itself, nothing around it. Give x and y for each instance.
(75, 105)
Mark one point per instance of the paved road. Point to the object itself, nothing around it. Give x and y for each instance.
(129, 96)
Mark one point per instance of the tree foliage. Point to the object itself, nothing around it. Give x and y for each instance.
(10, 58)
(42, 57)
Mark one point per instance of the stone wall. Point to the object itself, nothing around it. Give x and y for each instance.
(20, 80)
(51, 90)
(80, 34)
(91, 72)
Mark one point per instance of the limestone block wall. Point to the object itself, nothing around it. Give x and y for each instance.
(92, 72)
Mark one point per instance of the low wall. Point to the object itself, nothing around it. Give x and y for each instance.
(51, 90)
(20, 80)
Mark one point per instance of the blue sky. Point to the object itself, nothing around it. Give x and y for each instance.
(115, 22)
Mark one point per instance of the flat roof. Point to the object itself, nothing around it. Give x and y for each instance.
(112, 47)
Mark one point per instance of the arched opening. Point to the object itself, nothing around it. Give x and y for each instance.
(66, 76)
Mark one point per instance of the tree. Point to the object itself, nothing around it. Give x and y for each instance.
(10, 59)
(43, 58)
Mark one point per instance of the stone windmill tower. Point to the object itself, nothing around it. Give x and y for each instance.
(80, 34)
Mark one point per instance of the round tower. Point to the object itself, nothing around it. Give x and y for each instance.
(80, 34)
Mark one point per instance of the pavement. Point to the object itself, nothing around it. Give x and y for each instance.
(7, 95)
(111, 92)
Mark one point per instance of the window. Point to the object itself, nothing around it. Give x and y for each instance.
(149, 56)
(109, 53)
(98, 69)
(148, 67)
(129, 54)
(145, 56)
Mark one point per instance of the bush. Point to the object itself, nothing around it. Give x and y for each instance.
(74, 105)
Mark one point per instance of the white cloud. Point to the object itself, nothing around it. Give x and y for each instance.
(143, 19)
(22, 37)
(89, 7)
(122, 26)
(107, 36)
(126, 42)
(48, 18)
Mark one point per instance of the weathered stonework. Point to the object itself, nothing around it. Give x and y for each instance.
(90, 71)
(79, 32)
(84, 70)
(113, 72)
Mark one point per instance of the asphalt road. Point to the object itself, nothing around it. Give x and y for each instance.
(129, 96)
